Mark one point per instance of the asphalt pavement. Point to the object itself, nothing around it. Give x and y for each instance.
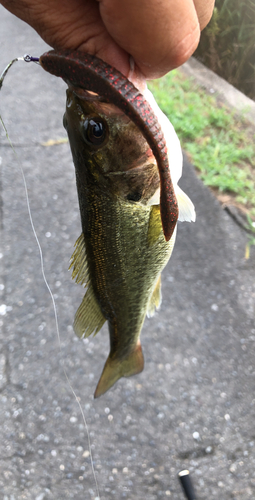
(192, 407)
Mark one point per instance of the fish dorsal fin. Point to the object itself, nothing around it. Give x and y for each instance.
(155, 300)
(88, 319)
(186, 208)
(79, 263)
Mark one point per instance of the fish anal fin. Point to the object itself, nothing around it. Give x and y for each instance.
(115, 368)
(78, 262)
(88, 318)
(155, 300)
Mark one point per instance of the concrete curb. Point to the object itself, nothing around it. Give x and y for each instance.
(215, 84)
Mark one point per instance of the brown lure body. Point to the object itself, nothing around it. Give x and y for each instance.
(91, 73)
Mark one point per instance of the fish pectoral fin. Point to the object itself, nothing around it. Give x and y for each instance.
(79, 263)
(186, 208)
(115, 368)
(89, 317)
(155, 225)
(155, 300)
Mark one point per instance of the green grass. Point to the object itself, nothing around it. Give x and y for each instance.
(227, 43)
(219, 144)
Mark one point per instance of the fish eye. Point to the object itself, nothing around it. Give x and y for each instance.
(94, 131)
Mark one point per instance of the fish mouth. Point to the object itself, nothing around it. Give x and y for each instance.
(86, 95)
(146, 160)
(100, 103)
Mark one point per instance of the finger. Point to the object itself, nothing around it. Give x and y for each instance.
(71, 24)
(159, 34)
(204, 9)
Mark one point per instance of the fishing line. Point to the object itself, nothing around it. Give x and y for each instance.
(28, 58)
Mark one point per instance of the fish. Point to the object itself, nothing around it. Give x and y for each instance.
(125, 243)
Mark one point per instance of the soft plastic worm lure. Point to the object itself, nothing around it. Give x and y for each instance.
(91, 73)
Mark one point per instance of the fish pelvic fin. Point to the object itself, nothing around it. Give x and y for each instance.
(79, 263)
(115, 368)
(88, 318)
(155, 300)
(186, 211)
(186, 208)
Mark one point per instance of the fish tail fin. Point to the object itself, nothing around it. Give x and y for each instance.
(116, 368)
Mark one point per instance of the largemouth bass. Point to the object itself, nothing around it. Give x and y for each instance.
(122, 250)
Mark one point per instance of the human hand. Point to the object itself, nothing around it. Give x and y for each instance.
(159, 34)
